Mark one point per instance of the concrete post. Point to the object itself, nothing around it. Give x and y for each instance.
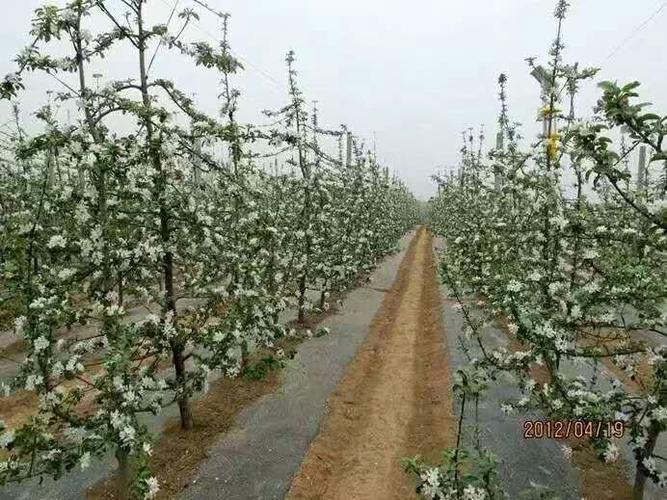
(642, 174)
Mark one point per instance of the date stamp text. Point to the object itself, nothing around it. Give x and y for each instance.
(563, 429)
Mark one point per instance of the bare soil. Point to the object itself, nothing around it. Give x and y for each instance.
(394, 400)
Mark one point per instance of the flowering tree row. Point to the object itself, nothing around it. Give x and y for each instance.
(577, 272)
(124, 207)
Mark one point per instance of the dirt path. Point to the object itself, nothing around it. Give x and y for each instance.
(394, 400)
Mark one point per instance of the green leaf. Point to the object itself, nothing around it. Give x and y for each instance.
(607, 85)
(630, 86)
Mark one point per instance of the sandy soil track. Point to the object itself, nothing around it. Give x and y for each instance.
(393, 401)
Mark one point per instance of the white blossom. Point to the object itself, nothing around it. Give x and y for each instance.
(84, 461)
(6, 438)
(57, 241)
(152, 487)
(67, 273)
(472, 493)
(40, 344)
(611, 453)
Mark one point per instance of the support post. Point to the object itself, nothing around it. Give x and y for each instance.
(500, 145)
(642, 181)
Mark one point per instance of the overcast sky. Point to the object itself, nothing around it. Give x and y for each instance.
(417, 73)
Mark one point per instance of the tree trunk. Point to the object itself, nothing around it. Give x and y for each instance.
(120, 289)
(169, 304)
(640, 476)
(185, 411)
(323, 298)
(302, 298)
(124, 475)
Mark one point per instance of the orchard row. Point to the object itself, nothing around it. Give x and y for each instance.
(560, 243)
(124, 209)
